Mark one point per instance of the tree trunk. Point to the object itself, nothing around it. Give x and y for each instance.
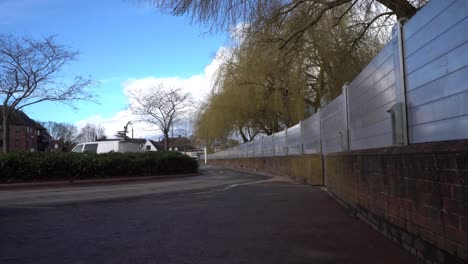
(166, 140)
(5, 132)
(244, 138)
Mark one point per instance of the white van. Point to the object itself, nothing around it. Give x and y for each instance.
(108, 146)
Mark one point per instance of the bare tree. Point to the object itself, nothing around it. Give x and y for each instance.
(61, 131)
(92, 132)
(161, 106)
(29, 74)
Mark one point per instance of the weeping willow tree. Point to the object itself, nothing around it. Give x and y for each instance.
(329, 56)
(263, 88)
(260, 93)
(226, 14)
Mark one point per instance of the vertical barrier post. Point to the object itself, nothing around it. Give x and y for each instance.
(273, 147)
(286, 146)
(321, 150)
(345, 134)
(204, 150)
(261, 146)
(399, 110)
(301, 139)
(320, 143)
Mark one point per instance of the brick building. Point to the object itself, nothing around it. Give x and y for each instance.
(25, 134)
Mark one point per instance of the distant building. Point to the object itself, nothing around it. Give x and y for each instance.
(150, 145)
(25, 134)
(176, 143)
(59, 145)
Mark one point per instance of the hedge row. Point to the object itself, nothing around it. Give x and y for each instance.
(23, 166)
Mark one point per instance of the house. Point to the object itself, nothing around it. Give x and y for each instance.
(150, 145)
(25, 134)
(59, 145)
(175, 143)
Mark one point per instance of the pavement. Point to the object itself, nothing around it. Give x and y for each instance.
(223, 216)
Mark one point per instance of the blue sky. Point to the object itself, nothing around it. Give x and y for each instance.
(122, 44)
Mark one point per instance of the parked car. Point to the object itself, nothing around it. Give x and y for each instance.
(108, 146)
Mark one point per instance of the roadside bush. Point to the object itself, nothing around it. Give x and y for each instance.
(23, 166)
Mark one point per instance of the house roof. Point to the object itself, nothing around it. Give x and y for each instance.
(20, 118)
(155, 143)
(181, 143)
(134, 140)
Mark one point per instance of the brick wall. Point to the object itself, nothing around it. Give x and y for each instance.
(416, 195)
(21, 139)
(306, 169)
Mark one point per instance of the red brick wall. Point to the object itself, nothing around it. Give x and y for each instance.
(416, 195)
(18, 139)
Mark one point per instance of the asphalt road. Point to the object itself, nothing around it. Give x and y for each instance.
(45, 196)
(252, 221)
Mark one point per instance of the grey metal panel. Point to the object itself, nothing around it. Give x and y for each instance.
(373, 116)
(250, 149)
(450, 84)
(242, 151)
(369, 123)
(368, 143)
(259, 146)
(454, 14)
(380, 74)
(371, 91)
(268, 147)
(381, 100)
(446, 108)
(425, 15)
(359, 109)
(333, 126)
(448, 129)
(383, 126)
(253, 149)
(280, 143)
(450, 62)
(311, 134)
(237, 152)
(333, 143)
(294, 140)
(375, 64)
(444, 43)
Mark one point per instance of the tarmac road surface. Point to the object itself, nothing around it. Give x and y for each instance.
(223, 216)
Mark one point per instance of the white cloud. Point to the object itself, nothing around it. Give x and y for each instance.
(117, 122)
(199, 86)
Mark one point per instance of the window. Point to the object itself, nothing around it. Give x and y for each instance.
(90, 148)
(17, 128)
(148, 148)
(1, 143)
(78, 148)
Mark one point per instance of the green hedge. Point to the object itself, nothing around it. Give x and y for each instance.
(23, 166)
